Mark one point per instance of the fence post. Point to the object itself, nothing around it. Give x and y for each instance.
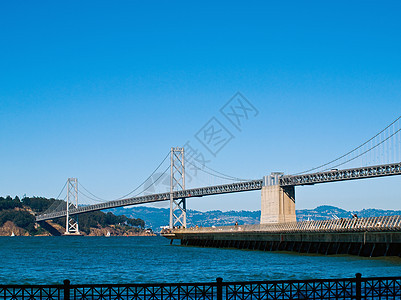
(219, 288)
(358, 295)
(66, 289)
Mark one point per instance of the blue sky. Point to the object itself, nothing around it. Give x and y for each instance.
(101, 90)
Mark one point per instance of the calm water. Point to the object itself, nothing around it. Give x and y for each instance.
(40, 260)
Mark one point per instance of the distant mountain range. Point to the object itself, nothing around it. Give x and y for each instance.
(156, 217)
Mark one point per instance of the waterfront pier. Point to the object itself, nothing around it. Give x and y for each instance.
(370, 237)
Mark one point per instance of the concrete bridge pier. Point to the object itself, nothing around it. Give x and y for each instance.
(278, 203)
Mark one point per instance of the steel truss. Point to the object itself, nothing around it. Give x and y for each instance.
(341, 175)
(196, 192)
(286, 180)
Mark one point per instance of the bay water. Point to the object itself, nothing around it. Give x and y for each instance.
(50, 260)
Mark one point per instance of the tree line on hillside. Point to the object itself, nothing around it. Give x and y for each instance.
(13, 210)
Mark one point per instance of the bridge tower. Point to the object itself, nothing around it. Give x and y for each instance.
(71, 226)
(178, 208)
(278, 202)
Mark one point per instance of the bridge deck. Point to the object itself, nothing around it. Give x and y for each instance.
(341, 175)
(287, 180)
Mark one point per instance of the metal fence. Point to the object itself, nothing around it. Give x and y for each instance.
(385, 223)
(317, 289)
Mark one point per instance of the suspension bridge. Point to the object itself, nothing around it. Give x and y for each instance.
(278, 194)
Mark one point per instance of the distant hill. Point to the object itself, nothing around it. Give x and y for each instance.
(18, 216)
(325, 212)
(157, 217)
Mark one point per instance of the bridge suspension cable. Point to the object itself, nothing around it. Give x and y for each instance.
(65, 184)
(228, 176)
(218, 175)
(371, 148)
(98, 199)
(153, 183)
(144, 189)
(360, 148)
(60, 205)
(95, 198)
(57, 205)
(54, 206)
(150, 176)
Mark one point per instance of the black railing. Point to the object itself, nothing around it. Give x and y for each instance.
(357, 288)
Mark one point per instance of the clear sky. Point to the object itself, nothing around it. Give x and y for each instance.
(100, 90)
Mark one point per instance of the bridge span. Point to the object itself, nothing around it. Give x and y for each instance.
(283, 181)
